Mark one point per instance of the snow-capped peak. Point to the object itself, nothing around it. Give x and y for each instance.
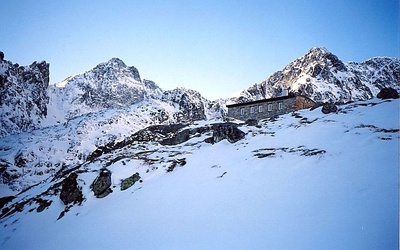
(322, 76)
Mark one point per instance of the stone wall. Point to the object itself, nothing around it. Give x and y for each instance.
(268, 108)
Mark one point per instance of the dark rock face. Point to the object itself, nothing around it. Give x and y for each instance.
(227, 131)
(130, 181)
(70, 191)
(329, 108)
(101, 185)
(388, 93)
(24, 99)
(1, 56)
(5, 200)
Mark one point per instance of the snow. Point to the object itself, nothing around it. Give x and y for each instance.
(227, 198)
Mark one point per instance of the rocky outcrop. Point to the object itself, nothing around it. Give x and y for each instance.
(228, 131)
(70, 191)
(329, 108)
(388, 93)
(23, 102)
(101, 185)
(190, 104)
(130, 181)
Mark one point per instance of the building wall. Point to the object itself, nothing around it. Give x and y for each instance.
(259, 111)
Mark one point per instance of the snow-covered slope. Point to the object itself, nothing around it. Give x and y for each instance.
(23, 98)
(302, 181)
(323, 77)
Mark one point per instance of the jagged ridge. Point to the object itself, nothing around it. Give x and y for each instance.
(23, 102)
(322, 76)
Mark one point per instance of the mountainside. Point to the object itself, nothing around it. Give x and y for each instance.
(334, 186)
(323, 77)
(23, 101)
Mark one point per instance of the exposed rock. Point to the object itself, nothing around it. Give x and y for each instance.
(329, 108)
(343, 82)
(227, 131)
(5, 200)
(130, 181)
(101, 185)
(174, 163)
(43, 204)
(190, 103)
(388, 93)
(251, 122)
(178, 138)
(1, 56)
(70, 191)
(24, 99)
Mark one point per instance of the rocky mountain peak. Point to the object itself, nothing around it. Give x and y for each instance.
(322, 76)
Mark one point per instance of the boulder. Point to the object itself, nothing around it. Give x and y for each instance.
(388, 93)
(329, 108)
(101, 185)
(130, 181)
(70, 191)
(227, 131)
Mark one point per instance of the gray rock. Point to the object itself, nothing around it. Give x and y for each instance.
(329, 108)
(130, 181)
(101, 185)
(227, 131)
(70, 191)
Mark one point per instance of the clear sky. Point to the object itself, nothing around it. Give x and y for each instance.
(215, 47)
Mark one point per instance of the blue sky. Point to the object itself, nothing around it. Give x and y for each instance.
(215, 47)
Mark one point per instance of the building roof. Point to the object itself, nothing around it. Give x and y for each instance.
(261, 101)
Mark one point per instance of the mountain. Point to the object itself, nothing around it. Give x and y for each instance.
(23, 102)
(323, 77)
(306, 180)
(113, 85)
(30, 103)
(108, 85)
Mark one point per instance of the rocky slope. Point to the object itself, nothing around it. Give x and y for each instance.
(23, 102)
(323, 77)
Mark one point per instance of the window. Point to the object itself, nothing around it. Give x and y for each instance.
(252, 110)
(280, 106)
(242, 111)
(260, 109)
(269, 107)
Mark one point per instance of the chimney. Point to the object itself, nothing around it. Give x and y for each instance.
(285, 92)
